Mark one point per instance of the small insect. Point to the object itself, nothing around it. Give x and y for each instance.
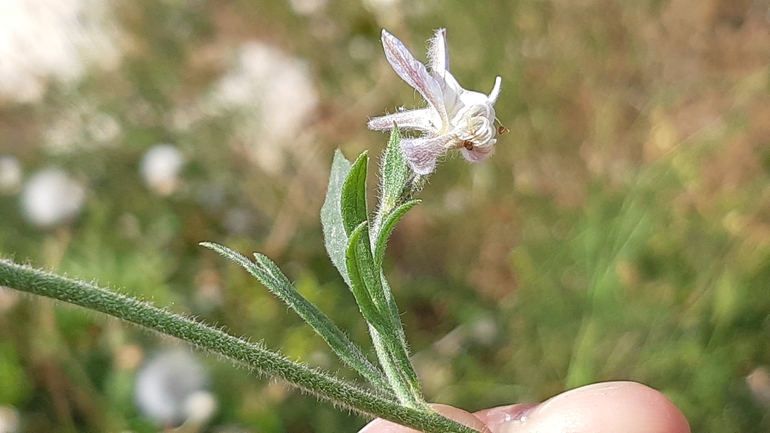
(467, 144)
(502, 130)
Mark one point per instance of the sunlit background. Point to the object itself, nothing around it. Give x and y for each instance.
(620, 232)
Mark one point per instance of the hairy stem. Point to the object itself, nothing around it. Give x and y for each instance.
(27, 279)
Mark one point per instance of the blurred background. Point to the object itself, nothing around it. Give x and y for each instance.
(620, 232)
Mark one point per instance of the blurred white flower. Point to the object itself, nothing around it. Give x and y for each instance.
(170, 389)
(456, 118)
(273, 95)
(51, 197)
(41, 39)
(160, 168)
(199, 407)
(10, 174)
(10, 421)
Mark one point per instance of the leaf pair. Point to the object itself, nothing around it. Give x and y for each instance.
(341, 215)
(360, 263)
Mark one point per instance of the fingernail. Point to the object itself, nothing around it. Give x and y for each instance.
(503, 416)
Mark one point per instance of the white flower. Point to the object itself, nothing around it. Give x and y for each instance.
(273, 96)
(170, 389)
(456, 119)
(160, 168)
(52, 197)
(54, 40)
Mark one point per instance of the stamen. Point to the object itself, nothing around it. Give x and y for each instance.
(500, 128)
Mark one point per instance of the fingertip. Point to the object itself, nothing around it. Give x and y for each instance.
(498, 416)
(600, 408)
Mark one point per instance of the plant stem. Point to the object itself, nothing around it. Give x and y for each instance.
(30, 280)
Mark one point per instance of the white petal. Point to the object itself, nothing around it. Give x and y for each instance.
(478, 153)
(438, 53)
(413, 72)
(470, 98)
(419, 120)
(496, 90)
(422, 153)
(451, 92)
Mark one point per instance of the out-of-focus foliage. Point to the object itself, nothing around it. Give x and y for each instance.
(621, 230)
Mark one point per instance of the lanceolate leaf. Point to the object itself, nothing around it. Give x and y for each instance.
(353, 202)
(359, 270)
(395, 175)
(402, 357)
(335, 236)
(388, 224)
(377, 306)
(271, 276)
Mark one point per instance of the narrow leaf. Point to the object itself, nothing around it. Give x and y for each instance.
(271, 276)
(388, 224)
(406, 394)
(335, 236)
(356, 270)
(378, 308)
(402, 357)
(395, 175)
(393, 309)
(353, 202)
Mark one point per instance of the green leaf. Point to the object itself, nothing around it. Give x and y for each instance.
(335, 236)
(271, 276)
(388, 224)
(375, 302)
(395, 175)
(393, 309)
(353, 202)
(359, 270)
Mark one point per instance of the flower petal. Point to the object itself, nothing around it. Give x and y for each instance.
(496, 90)
(422, 153)
(438, 53)
(409, 120)
(478, 153)
(413, 72)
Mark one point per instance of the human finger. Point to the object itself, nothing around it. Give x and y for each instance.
(608, 407)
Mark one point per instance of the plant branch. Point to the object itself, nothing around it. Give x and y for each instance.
(30, 280)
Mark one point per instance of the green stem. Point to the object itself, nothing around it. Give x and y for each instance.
(27, 279)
